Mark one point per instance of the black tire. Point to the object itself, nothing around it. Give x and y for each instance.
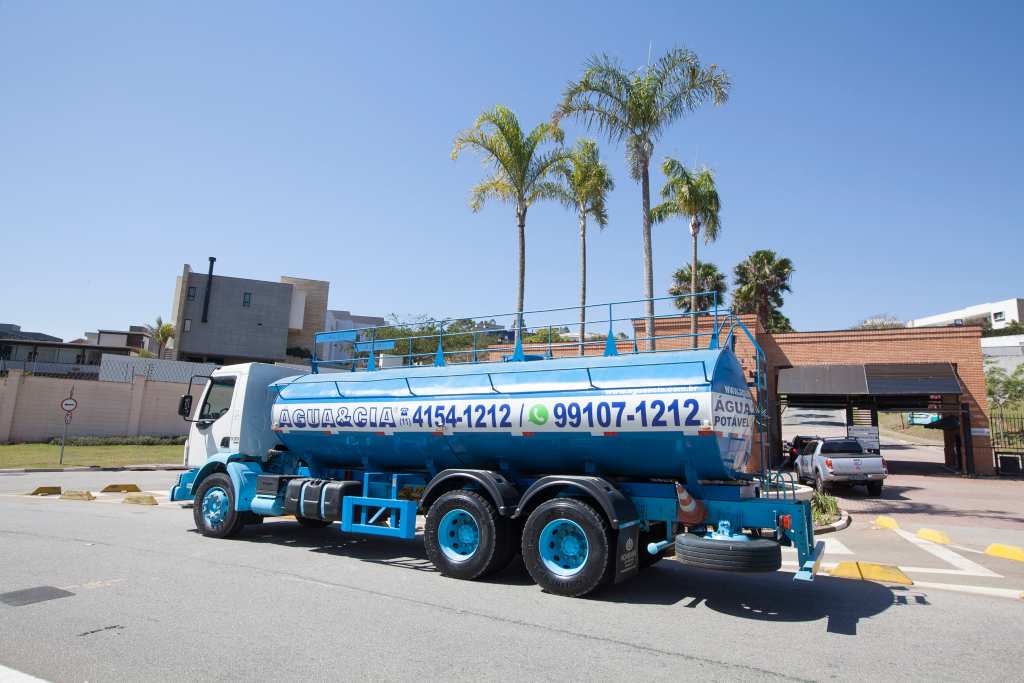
(875, 488)
(492, 550)
(820, 486)
(755, 555)
(596, 566)
(312, 523)
(232, 520)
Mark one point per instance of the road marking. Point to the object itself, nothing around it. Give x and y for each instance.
(1007, 552)
(964, 566)
(8, 675)
(934, 535)
(1012, 593)
(833, 546)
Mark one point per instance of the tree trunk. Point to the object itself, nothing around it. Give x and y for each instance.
(583, 281)
(521, 218)
(694, 231)
(645, 188)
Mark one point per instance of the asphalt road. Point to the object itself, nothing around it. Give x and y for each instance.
(150, 599)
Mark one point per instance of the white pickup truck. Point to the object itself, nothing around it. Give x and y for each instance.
(826, 462)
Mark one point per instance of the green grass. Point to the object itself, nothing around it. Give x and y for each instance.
(824, 508)
(891, 423)
(46, 455)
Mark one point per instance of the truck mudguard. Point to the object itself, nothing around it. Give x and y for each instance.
(501, 492)
(619, 509)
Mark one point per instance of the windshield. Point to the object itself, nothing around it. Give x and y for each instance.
(845, 446)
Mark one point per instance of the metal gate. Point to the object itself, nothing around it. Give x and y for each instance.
(1007, 434)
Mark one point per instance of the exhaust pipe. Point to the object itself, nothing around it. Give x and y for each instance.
(209, 286)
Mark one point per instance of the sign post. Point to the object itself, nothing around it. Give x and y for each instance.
(68, 405)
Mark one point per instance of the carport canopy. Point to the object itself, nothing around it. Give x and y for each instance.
(894, 386)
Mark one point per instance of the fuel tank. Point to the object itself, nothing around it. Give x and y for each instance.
(661, 415)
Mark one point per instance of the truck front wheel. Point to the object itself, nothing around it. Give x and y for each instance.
(214, 509)
(566, 547)
(464, 536)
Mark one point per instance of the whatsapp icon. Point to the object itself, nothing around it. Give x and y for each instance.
(538, 415)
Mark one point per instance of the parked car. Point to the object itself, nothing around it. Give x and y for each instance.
(793, 448)
(827, 462)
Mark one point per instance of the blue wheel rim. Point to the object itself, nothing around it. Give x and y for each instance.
(215, 507)
(564, 548)
(458, 535)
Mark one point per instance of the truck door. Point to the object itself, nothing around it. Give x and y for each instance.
(211, 432)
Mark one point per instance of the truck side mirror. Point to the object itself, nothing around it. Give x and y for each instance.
(185, 406)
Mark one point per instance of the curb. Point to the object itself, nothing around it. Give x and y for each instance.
(96, 468)
(838, 525)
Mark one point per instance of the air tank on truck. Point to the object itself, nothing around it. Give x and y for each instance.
(591, 459)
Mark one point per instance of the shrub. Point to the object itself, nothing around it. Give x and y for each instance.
(824, 508)
(121, 441)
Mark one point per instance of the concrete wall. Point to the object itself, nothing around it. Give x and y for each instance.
(314, 317)
(30, 408)
(233, 331)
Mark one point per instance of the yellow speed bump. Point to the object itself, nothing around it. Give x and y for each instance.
(46, 491)
(933, 535)
(1007, 552)
(121, 488)
(77, 495)
(869, 571)
(886, 522)
(139, 499)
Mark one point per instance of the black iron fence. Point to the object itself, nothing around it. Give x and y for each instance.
(1007, 433)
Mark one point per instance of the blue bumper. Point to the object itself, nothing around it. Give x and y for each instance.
(183, 489)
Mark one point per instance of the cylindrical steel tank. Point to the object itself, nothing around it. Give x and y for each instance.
(669, 414)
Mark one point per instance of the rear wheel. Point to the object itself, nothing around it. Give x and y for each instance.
(566, 547)
(214, 509)
(465, 537)
(820, 486)
(312, 523)
(874, 488)
(751, 555)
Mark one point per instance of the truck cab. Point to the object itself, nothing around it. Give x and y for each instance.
(233, 412)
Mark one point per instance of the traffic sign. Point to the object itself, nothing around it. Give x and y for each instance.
(68, 404)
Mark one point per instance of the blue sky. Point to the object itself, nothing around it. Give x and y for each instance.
(877, 145)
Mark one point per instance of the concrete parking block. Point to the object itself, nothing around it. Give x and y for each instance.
(870, 571)
(121, 488)
(934, 535)
(886, 522)
(77, 495)
(46, 491)
(139, 499)
(1007, 552)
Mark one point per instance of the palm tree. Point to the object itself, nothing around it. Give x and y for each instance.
(761, 279)
(637, 107)
(690, 195)
(519, 171)
(708, 278)
(587, 183)
(161, 333)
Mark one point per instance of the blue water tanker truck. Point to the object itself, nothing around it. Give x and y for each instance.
(591, 461)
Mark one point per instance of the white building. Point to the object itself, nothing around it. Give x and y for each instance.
(1006, 352)
(998, 313)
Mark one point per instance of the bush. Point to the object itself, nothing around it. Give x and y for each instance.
(121, 441)
(824, 508)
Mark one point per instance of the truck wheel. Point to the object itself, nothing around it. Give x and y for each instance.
(312, 523)
(754, 555)
(874, 488)
(464, 536)
(566, 547)
(214, 509)
(820, 486)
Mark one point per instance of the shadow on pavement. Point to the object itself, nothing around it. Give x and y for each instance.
(771, 597)
(762, 597)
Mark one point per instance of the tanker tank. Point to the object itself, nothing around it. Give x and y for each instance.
(674, 414)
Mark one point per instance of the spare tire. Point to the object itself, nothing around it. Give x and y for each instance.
(754, 555)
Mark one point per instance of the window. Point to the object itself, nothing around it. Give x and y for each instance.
(218, 398)
(188, 325)
(851, 446)
(191, 293)
(246, 299)
(998, 317)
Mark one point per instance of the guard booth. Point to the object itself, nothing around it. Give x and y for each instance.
(864, 389)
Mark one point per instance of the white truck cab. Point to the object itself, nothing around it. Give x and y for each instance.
(233, 414)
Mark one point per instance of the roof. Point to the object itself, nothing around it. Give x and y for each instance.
(886, 379)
